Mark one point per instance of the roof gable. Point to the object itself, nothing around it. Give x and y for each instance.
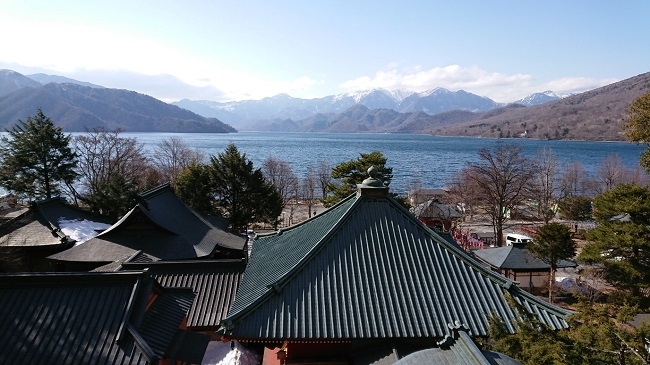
(274, 255)
(161, 226)
(368, 269)
(86, 318)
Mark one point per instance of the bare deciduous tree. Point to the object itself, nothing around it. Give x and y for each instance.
(280, 174)
(503, 177)
(464, 193)
(112, 171)
(544, 186)
(324, 176)
(610, 173)
(572, 180)
(636, 175)
(308, 189)
(285, 181)
(172, 155)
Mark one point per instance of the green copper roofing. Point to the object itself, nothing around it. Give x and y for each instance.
(367, 268)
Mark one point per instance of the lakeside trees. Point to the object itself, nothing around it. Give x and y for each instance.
(502, 179)
(280, 174)
(621, 240)
(552, 243)
(37, 158)
(193, 187)
(112, 171)
(544, 185)
(241, 192)
(172, 155)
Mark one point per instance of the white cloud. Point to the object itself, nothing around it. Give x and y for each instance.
(576, 84)
(114, 58)
(68, 49)
(497, 86)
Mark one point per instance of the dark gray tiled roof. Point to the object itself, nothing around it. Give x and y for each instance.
(367, 268)
(82, 318)
(639, 320)
(56, 208)
(172, 308)
(30, 229)
(516, 258)
(39, 225)
(214, 282)
(162, 227)
(170, 212)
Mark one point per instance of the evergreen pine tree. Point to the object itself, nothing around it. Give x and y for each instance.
(36, 159)
(552, 244)
(193, 187)
(621, 239)
(241, 192)
(348, 174)
(637, 126)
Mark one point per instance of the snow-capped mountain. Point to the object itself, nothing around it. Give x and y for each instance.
(247, 112)
(538, 98)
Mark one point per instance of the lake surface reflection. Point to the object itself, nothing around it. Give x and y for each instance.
(429, 159)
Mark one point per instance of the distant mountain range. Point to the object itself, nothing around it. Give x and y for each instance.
(268, 112)
(78, 106)
(594, 115)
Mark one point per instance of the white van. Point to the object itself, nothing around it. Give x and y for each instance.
(514, 238)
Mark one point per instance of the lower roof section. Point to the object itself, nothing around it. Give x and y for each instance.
(88, 318)
(214, 282)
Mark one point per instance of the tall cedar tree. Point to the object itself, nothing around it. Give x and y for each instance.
(552, 243)
(193, 187)
(637, 126)
(621, 239)
(503, 177)
(36, 159)
(348, 174)
(241, 192)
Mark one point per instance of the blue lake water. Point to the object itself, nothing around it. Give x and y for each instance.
(429, 159)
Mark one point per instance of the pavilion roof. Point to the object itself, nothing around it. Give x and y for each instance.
(516, 258)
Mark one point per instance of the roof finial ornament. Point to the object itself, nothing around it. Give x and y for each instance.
(372, 179)
(372, 186)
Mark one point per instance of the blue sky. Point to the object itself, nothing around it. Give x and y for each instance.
(244, 49)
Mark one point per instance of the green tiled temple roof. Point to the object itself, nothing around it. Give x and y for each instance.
(367, 268)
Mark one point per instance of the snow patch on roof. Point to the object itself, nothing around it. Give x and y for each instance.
(81, 230)
(229, 353)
